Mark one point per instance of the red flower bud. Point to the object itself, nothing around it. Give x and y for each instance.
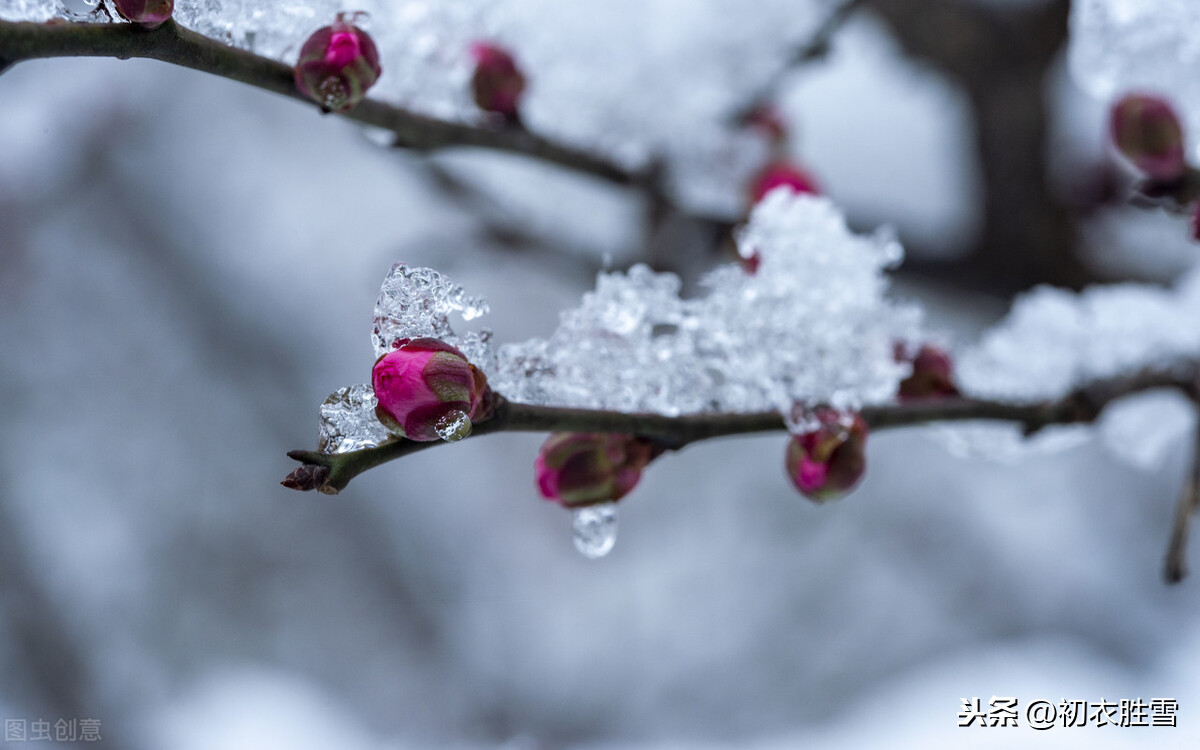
(427, 390)
(827, 461)
(932, 375)
(1147, 132)
(497, 83)
(148, 14)
(782, 174)
(337, 65)
(587, 468)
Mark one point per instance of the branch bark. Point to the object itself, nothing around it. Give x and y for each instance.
(174, 44)
(330, 473)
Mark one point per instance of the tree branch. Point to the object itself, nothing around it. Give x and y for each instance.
(174, 44)
(1175, 568)
(330, 473)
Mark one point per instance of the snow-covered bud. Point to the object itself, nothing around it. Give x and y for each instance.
(497, 84)
(337, 65)
(148, 14)
(1146, 130)
(782, 174)
(828, 460)
(932, 374)
(586, 468)
(427, 390)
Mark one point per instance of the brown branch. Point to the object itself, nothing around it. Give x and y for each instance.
(330, 473)
(174, 44)
(1175, 568)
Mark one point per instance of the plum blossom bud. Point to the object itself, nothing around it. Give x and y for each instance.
(1147, 132)
(587, 468)
(497, 84)
(1195, 221)
(427, 390)
(782, 174)
(932, 374)
(828, 460)
(148, 14)
(337, 65)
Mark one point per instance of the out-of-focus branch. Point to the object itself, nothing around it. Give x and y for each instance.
(1175, 568)
(174, 44)
(815, 48)
(1001, 56)
(330, 473)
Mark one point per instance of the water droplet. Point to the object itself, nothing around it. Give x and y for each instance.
(334, 94)
(453, 426)
(594, 529)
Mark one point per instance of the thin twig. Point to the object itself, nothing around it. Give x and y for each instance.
(330, 473)
(1175, 569)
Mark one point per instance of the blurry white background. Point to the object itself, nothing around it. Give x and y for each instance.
(188, 266)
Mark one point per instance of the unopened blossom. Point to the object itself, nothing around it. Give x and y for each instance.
(427, 390)
(337, 65)
(1146, 130)
(149, 14)
(782, 173)
(828, 460)
(497, 84)
(932, 374)
(586, 468)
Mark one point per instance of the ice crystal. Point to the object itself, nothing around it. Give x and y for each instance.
(348, 421)
(594, 529)
(1055, 340)
(813, 325)
(416, 302)
(1118, 46)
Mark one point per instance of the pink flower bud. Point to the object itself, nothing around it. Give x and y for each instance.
(148, 14)
(587, 468)
(782, 174)
(427, 390)
(1147, 132)
(932, 374)
(1195, 221)
(826, 462)
(337, 65)
(497, 83)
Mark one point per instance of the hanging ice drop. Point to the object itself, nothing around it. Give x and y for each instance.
(594, 529)
(454, 426)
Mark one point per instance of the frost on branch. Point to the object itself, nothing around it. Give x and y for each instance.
(813, 325)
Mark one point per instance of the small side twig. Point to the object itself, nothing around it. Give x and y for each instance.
(1175, 569)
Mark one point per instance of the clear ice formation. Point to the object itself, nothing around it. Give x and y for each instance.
(348, 421)
(594, 529)
(813, 325)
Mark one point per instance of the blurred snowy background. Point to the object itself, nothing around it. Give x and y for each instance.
(188, 266)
